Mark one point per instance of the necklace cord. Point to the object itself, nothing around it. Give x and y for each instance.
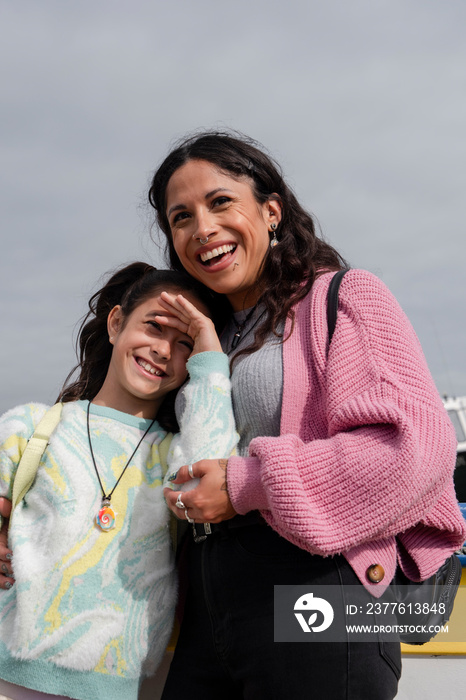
(237, 337)
(108, 497)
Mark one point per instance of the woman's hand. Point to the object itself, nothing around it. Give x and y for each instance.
(209, 501)
(6, 577)
(188, 319)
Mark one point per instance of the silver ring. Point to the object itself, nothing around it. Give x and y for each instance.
(202, 241)
(190, 520)
(190, 471)
(179, 503)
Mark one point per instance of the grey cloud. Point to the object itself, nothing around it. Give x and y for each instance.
(363, 103)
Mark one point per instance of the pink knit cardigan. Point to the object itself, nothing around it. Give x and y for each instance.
(364, 462)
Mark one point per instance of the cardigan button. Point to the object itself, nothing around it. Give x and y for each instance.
(375, 573)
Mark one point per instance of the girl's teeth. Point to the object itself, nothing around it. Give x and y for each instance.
(216, 252)
(149, 368)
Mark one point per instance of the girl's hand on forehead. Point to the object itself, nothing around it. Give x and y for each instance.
(188, 319)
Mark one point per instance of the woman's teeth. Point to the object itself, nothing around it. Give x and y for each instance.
(216, 252)
(149, 368)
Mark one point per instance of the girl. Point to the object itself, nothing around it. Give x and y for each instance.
(91, 610)
(345, 462)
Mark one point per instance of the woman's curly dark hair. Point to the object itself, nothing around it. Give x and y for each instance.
(289, 269)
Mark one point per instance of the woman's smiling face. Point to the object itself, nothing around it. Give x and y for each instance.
(203, 201)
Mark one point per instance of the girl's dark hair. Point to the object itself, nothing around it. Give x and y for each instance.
(128, 287)
(288, 269)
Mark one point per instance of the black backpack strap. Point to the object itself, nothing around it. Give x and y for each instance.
(332, 303)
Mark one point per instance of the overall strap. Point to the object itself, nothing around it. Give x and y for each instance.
(29, 463)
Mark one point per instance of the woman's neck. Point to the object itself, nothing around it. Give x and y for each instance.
(244, 300)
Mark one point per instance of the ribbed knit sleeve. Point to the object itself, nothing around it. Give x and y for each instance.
(366, 448)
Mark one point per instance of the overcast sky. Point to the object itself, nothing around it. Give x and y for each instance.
(362, 102)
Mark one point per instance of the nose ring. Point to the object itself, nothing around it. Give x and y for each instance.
(202, 241)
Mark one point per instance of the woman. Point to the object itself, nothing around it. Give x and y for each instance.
(344, 467)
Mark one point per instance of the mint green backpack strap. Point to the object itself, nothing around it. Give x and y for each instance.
(29, 463)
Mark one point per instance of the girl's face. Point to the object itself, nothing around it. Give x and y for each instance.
(148, 360)
(203, 201)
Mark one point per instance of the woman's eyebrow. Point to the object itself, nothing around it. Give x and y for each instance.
(178, 207)
(217, 189)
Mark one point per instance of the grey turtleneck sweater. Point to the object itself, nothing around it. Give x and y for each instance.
(257, 380)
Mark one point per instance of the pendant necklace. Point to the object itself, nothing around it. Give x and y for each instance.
(241, 326)
(106, 517)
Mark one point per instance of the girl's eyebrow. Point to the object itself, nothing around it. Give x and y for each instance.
(153, 314)
(179, 207)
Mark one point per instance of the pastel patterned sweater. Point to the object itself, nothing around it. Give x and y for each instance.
(364, 461)
(91, 612)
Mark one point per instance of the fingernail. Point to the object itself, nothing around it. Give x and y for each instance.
(9, 556)
(8, 585)
(172, 477)
(4, 569)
